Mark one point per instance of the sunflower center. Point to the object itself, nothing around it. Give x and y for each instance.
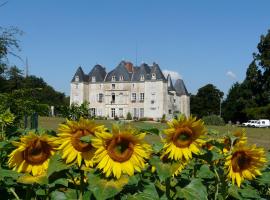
(183, 137)
(240, 161)
(120, 149)
(78, 144)
(37, 152)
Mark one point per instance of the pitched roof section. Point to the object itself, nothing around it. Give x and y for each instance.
(98, 72)
(81, 76)
(170, 84)
(119, 71)
(180, 87)
(143, 70)
(156, 69)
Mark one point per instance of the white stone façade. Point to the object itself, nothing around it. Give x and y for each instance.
(143, 91)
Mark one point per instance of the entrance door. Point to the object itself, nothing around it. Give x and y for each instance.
(113, 112)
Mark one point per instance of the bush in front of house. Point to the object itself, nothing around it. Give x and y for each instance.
(213, 120)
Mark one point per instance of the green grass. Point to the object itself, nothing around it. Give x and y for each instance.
(259, 136)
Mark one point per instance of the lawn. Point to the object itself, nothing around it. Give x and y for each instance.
(259, 136)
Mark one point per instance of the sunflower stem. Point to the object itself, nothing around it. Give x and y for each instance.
(167, 184)
(74, 182)
(81, 184)
(28, 193)
(217, 185)
(14, 193)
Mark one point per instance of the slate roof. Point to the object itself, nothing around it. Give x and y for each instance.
(120, 70)
(131, 73)
(156, 69)
(81, 75)
(170, 84)
(98, 72)
(180, 87)
(143, 70)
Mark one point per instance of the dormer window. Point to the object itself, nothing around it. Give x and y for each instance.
(76, 78)
(113, 78)
(93, 79)
(121, 78)
(142, 78)
(153, 76)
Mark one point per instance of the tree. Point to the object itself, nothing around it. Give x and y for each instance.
(206, 101)
(234, 105)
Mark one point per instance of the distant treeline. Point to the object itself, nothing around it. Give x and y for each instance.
(247, 100)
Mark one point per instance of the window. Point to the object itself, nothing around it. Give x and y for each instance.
(93, 79)
(113, 112)
(142, 78)
(113, 98)
(92, 112)
(152, 101)
(141, 97)
(133, 97)
(170, 111)
(141, 112)
(121, 78)
(133, 85)
(135, 113)
(153, 76)
(76, 86)
(113, 78)
(77, 78)
(113, 86)
(100, 97)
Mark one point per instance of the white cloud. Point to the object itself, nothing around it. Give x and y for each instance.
(174, 75)
(231, 74)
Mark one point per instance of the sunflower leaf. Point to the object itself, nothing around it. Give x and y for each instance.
(29, 179)
(233, 191)
(195, 190)
(164, 170)
(9, 173)
(205, 172)
(56, 164)
(249, 193)
(264, 178)
(105, 188)
(149, 193)
(87, 139)
(56, 195)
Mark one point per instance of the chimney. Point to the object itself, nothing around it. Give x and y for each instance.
(129, 67)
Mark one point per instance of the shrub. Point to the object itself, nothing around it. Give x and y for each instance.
(129, 117)
(146, 119)
(213, 120)
(163, 119)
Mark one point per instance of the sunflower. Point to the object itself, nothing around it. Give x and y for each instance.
(240, 140)
(183, 137)
(121, 152)
(32, 154)
(73, 148)
(244, 163)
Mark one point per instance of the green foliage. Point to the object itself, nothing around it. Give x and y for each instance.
(195, 190)
(249, 99)
(75, 111)
(213, 120)
(129, 117)
(204, 177)
(206, 101)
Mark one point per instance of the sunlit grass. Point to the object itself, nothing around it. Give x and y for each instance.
(259, 136)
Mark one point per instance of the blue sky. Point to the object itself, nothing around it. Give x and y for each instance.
(204, 41)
